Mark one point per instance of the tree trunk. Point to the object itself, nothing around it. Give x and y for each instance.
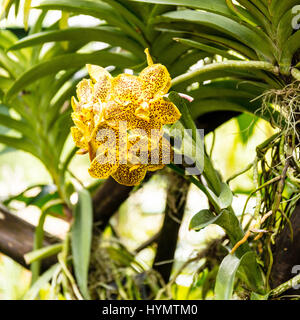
(286, 253)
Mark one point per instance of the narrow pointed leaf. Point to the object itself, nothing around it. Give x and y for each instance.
(81, 239)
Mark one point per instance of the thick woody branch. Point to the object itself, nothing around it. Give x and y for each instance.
(16, 238)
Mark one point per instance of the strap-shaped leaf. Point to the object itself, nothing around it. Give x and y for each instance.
(291, 46)
(18, 125)
(278, 8)
(228, 68)
(95, 9)
(33, 292)
(225, 277)
(102, 33)
(206, 48)
(255, 40)
(21, 144)
(68, 61)
(218, 6)
(81, 239)
(10, 65)
(227, 273)
(27, 5)
(127, 14)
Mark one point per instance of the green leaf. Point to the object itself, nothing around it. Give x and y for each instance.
(102, 33)
(225, 197)
(68, 61)
(27, 5)
(256, 296)
(206, 48)
(191, 146)
(234, 68)
(33, 292)
(233, 266)
(202, 219)
(225, 277)
(278, 8)
(257, 41)
(246, 123)
(20, 143)
(127, 14)
(81, 239)
(213, 6)
(13, 67)
(290, 48)
(96, 9)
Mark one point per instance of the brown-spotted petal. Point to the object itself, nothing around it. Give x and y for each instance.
(127, 89)
(115, 112)
(78, 138)
(163, 111)
(103, 169)
(160, 153)
(102, 82)
(84, 90)
(156, 81)
(130, 175)
(103, 139)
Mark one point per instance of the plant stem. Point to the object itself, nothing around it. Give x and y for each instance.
(285, 286)
(234, 65)
(42, 253)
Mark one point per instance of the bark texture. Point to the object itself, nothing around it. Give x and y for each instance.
(286, 253)
(16, 238)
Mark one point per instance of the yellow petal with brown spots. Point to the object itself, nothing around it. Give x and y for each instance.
(78, 138)
(102, 82)
(126, 89)
(84, 90)
(117, 112)
(104, 138)
(130, 175)
(164, 111)
(102, 170)
(156, 81)
(160, 154)
(97, 73)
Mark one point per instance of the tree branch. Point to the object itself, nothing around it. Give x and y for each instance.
(16, 238)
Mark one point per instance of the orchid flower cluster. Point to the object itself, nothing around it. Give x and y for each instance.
(119, 122)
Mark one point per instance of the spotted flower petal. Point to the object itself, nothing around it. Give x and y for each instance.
(115, 111)
(103, 169)
(164, 112)
(155, 78)
(127, 89)
(78, 138)
(104, 138)
(130, 175)
(102, 82)
(160, 154)
(156, 81)
(84, 90)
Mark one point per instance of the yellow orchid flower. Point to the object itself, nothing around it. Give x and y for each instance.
(106, 103)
